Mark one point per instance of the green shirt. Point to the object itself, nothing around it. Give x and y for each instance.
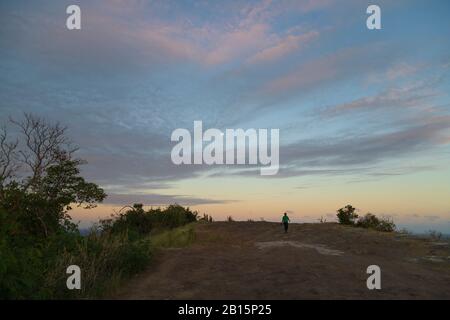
(285, 219)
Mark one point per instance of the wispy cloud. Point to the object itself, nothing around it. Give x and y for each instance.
(411, 95)
(159, 199)
(284, 46)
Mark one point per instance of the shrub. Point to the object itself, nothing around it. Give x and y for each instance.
(137, 222)
(25, 258)
(372, 222)
(21, 262)
(386, 225)
(368, 221)
(347, 215)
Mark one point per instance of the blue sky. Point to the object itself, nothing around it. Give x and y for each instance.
(365, 111)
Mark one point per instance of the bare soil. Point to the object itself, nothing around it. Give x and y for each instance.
(256, 260)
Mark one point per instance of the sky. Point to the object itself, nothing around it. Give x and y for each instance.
(364, 115)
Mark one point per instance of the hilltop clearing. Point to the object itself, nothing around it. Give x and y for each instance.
(256, 260)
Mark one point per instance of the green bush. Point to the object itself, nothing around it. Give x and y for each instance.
(25, 257)
(386, 225)
(137, 222)
(370, 221)
(21, 263)
(347, 215)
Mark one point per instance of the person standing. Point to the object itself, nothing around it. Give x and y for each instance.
(285, 220)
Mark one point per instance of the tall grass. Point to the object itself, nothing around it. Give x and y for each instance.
(176, 238)
(104, 259)
(107, 260)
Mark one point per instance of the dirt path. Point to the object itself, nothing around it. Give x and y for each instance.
(256, 260)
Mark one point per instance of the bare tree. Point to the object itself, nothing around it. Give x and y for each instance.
(8, 158)
(45, 144)
(39, 176)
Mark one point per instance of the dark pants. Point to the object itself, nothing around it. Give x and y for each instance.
(286, 225)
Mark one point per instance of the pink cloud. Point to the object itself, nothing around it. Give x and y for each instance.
(313, 5)
(343, 63)
(283, 47)
(246, 36)
(307, 74)
(236, 43)
(170, 41)
(302, 6)
(400, 71)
